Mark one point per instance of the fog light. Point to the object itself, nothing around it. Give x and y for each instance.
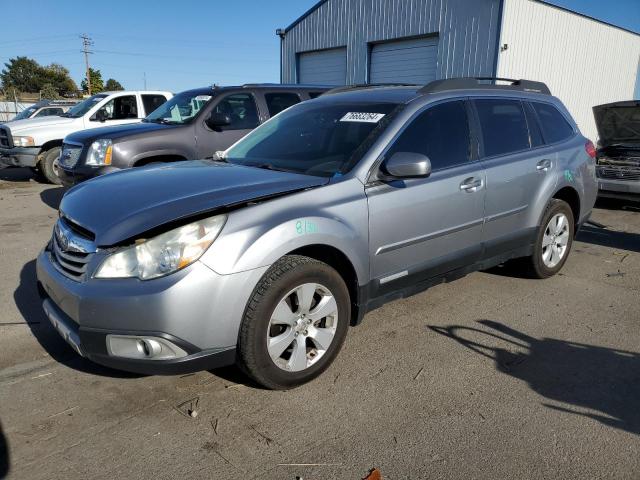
(146, 348)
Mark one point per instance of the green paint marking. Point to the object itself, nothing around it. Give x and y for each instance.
(568, 175)
(306, 226)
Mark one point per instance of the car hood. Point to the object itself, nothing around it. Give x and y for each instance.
(27, 124)
(618, 122)
(115, 132)
(119, 206)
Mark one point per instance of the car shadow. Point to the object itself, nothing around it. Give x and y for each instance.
(16, 174)
(52, 196)
(4, 454)
(609, 238)
(27, 299)
(599, 383)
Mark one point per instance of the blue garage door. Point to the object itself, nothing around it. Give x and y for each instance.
(323, 67)
(404, 61)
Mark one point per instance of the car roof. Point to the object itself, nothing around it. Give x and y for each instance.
(255, 86)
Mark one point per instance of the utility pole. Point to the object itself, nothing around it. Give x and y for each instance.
(86, 43)
(144, 76)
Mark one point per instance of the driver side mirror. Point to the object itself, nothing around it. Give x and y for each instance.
(217, 120)
(100, 116)
(408, 165)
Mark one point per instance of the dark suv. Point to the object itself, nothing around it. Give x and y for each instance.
(193, 124)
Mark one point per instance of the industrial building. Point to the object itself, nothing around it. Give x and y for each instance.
(584, 61)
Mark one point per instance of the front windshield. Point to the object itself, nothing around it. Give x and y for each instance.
(321, 139)
(83, 107)
(180, 109)
(26, 113)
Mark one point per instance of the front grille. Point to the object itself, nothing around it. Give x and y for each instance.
(70, 155)
(70, 253)
(5, 137)
(619, 173)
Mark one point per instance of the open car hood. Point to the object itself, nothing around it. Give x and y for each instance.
(618, 123)
(119, 206)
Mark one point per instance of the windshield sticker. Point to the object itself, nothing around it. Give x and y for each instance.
(203, 98)
(362, 117)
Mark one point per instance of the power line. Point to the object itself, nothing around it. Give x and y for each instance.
(86, 43)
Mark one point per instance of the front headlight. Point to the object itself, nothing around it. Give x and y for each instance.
(99, 152)
(164, 254)
(19, 141)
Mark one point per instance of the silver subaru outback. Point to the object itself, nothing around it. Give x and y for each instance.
(266, 254)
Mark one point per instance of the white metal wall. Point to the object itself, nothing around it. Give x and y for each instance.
(584, 62)
(467, 32)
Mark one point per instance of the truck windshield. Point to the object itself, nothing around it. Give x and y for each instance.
(26, 113)
(320, 139)
(83, 107)
(180, 109)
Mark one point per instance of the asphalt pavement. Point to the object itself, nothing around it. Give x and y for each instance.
(491, 376)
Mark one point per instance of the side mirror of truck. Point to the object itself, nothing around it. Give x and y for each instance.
(99, 116)
(217, 120)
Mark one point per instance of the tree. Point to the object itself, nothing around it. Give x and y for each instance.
(97, 84)
(22, 74)
(60, 78)
(26, 75)
(49, 92)
(113, 85)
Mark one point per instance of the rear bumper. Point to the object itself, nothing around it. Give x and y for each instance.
(19, 156)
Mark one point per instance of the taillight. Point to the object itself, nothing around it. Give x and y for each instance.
(590, 148)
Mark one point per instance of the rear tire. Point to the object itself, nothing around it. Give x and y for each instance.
(49, 165)
(553, 242)
(294, 324)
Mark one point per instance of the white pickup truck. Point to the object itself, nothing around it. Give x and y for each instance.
(36, 142)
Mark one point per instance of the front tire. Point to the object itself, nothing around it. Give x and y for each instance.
(553, 242)
(295, 323)
(49, 165)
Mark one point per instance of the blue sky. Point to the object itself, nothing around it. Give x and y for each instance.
(179, 45)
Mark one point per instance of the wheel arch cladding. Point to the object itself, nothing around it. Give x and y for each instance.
(337, 260)
(571, 196)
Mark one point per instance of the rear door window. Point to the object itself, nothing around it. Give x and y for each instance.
(504, 127)
(277, 102)
(241, 108)
(441, 133)
(315, 94)
(555, 127)
(151, 102)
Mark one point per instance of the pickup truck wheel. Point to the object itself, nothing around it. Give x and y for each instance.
(294, 324)
(49, 165)
(553, 242)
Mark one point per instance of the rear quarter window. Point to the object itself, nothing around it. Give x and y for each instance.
(554, 126)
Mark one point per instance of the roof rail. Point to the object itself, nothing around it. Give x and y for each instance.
(361, 86)
(466, 83)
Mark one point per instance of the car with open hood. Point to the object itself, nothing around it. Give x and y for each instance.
(618, 156)
(265, 254)
(194, 124)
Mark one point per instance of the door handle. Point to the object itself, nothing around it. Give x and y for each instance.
(471, 184)
(543, 165)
